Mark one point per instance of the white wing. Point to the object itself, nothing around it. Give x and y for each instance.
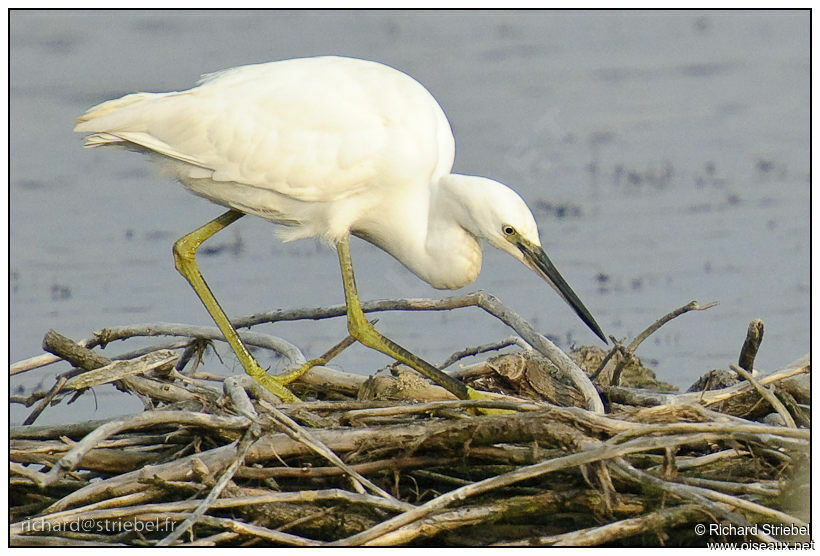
(313, 129)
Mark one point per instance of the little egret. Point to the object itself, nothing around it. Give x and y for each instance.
(328, 147)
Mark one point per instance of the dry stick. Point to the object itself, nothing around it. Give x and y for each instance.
(307, 519)
(212, 540)
(117, 370)
(439, 405)
(344, 440)
(435, 524)
(29, 400)
(298, 433)
(57, 519)
(767, 395)
(658, 520)
(685, 492)
(731, 487)
(684, 463)
(250, 338)
(345, 343)
(56, 389)
(285, 348)
(322, 472)
(699, 493)
(75, 354)
(147, 419)
(691, 306)
(512, 340)
(170, 344)
(86, 359)
(596, 452)
(47, 432)
(241, 450)
(617, 348)
(216, 458)
(317, 313)
(651, 329)
(127, 500)
(268, 447)
(754, 335)
(23, 471)
(580, 379)
(107, 335)
(233, 388)
(41, 360)
(40, 541)
(245, 529)
(711, 397)
(715, 396)
(733, 427)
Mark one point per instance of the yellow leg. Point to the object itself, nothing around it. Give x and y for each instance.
(185, 260)
(367, 334)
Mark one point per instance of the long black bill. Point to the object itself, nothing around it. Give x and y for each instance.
(540, 263)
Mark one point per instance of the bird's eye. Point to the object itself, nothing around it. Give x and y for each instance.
(508, 230)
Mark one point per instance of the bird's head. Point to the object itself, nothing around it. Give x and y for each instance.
(498, 214)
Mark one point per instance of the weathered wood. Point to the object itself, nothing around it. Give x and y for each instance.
(120, 369)
(415, 470)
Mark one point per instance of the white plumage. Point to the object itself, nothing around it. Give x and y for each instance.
(330, 146)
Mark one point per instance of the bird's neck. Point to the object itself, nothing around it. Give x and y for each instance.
(427, 235)
(462, 199)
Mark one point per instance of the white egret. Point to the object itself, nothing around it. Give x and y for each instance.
(329, 147)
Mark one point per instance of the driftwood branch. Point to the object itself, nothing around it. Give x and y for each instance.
(628, 351)
(767, 395)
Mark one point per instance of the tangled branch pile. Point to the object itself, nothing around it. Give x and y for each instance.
(557, 459)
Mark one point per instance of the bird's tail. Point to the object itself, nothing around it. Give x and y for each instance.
(94, 120)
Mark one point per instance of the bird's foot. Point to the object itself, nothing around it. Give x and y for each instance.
(474, 394)
(275, 384)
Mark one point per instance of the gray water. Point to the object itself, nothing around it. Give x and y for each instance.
(665, 156)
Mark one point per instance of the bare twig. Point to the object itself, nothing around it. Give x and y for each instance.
(732, 487)
(776, 404)
(659, 520)
(117, 370)
(683, 491)
(630, 349)
(283, 347)
(56, 389)
(691, 306)
(241, 450)
(513, 340)
(147, 419)
(295, 431)
(368, 467)
(358, 414)
(244, 529)
(682, 464)
(56, 519)
(695, 493)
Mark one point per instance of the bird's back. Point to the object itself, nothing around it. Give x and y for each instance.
(310, 129)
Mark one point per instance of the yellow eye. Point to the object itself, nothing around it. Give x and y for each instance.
(508, 230)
